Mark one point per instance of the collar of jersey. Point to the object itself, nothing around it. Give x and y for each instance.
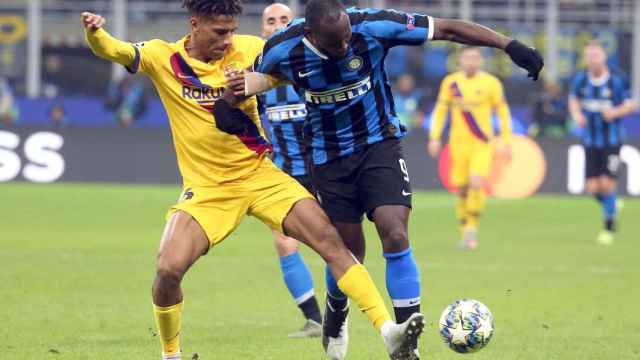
(193, 62)
(599, 81)
(308, 44)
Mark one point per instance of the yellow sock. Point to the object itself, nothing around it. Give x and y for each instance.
(476, 201)
(168, 321)
(358, 286)
(461, 211)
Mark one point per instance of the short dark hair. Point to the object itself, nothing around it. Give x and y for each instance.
(212, 8)
(318, 11)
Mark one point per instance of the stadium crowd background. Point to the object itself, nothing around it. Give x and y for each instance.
(44, 62)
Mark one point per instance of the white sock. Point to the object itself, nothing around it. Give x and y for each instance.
(176, 356)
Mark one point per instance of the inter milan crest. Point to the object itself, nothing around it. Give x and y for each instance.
(355, 63)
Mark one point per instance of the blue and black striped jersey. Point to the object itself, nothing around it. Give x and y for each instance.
(285, 113)
(349, 100)
(595, 97)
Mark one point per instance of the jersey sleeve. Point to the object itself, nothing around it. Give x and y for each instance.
(501, 108)
(147, 57)
(621, 90)
(576, 83)
(441, 110)
(393, 27)
(269, 61)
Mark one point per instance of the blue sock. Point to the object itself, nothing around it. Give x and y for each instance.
(403, 283)
(297, 277)
(609, 206)
(332, 285)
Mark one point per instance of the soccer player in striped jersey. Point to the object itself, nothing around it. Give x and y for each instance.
(222, 157)
(598, 100)
(285, 113)
(471, 96)
(337, 57)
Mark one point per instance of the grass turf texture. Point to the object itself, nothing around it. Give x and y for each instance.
(77, 265)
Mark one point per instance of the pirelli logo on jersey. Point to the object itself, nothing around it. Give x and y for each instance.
(596, 105)
(286, 112)
(341, 94)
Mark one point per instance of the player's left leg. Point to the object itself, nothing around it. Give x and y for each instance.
(385, 190)
(298, 279)
(282, 203)
(307, 221)
(402, 274)
(476, 202)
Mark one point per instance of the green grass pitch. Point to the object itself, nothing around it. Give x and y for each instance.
(77, 265)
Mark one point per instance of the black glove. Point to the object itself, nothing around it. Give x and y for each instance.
(229, 119)
(526, 57)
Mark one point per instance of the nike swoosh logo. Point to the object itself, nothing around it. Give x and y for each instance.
(404, 193)
(307, 74)
(413, 302)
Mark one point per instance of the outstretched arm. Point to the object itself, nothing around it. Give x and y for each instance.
(469, 33)
(103, 44)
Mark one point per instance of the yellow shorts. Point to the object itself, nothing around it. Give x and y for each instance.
(470, 159)
(268, 194)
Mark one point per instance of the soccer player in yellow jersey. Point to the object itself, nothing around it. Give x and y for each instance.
(225, 170)
(470, 96)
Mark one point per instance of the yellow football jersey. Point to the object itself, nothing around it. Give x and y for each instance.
(471, 102)
(188, 88)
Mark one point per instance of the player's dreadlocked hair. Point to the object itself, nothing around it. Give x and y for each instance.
(318, 11)
(211, 8)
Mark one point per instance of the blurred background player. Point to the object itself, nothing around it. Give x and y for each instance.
(337, 57)
(284, 112)
(470, 96)
(8, 108)
(221, 155)
(598, 99)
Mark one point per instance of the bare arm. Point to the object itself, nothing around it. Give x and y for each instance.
(576, 111)
(469, 33)
(465, 32)
(622, 110)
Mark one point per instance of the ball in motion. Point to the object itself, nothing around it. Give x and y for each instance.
(466, 326)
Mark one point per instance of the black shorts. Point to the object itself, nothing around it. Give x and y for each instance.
(305, 181)
(602, 161)
(358, 183)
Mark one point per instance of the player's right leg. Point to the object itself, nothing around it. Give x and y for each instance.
(299, 282)
(335, 332)
(307, 221)
(183, 242)
(601, 169)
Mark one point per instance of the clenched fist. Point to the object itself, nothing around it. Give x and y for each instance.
(92, 21)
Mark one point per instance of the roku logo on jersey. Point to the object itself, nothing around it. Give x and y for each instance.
(286, 112)
(340, 94)
(197, 93)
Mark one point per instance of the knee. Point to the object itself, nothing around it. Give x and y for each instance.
(329, 243)
(395, 240)
(285, 245)
(168, 272)
(607, 184)
(592, 187)
(477, 182)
